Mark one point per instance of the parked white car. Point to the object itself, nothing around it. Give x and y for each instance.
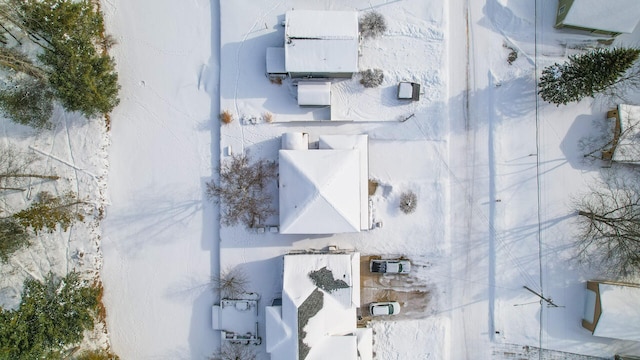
(390, 266)
(384, 308)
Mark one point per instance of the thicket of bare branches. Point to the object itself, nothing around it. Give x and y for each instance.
(609, 226)
(232, 283)
(229, 351)
(408, 202)
(371, 78)
(242, 191)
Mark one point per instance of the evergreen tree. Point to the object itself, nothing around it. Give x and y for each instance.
(49, 211)
(27, 101)
(52, 315)
(585, 74)
(13, 236)
(82, 77)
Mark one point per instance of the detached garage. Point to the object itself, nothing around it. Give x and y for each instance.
(599, 16)
(611, 310)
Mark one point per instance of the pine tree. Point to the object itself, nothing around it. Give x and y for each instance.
(585, 74)
(49, 211)
(13, 236)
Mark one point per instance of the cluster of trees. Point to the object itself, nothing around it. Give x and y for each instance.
(52, 316)
(72, 65)
(47, 212)
(609, 213)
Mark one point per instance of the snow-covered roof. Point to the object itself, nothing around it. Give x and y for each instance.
(620, 16)
(275, 60)
(321, 41)
(620, 318)
(320, 191)
(361, 143)
(332, 332)
(628, 147)
(314, 93)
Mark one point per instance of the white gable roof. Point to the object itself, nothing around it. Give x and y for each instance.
(610, 15)
(319, 191)
(620, 318)
(628, 147)
(321, 41)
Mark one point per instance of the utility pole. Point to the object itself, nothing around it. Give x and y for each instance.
(547, 300)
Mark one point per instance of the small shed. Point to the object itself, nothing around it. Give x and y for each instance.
(599, 16)
(408, 91)
(611, 310)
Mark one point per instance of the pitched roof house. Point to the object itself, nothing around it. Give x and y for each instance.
(317, 317)
(324, 191)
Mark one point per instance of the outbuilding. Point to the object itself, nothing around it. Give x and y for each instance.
(611, 310)
(599, 16)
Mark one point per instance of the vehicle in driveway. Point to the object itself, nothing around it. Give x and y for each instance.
(384, 308)
(387, 266)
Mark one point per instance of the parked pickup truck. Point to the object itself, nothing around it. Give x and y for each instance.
(390, 266)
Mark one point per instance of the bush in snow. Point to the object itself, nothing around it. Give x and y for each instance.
(372, 24)
(371, 78)
(52, 316)
(242, 190)
(586, 74)
(226, 117)
(97, 355)
(408, 202)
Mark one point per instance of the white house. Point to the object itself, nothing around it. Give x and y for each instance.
(325, 190)
(599, 16)
(317, 319)
(317, 44)
(611, 310)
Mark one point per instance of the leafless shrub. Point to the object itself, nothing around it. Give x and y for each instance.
(226, 117)
(242, 190)
(229, 351)
(372, 24)
(232, 283)
(276, 80)
(371, 78)
(267, 117)
(408, 202)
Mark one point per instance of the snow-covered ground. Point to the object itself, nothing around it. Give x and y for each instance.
(493, 166)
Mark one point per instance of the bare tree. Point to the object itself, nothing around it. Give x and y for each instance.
(16, 167)
(232, 283)
(229, 351)
(242, 190)
(609, 226)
